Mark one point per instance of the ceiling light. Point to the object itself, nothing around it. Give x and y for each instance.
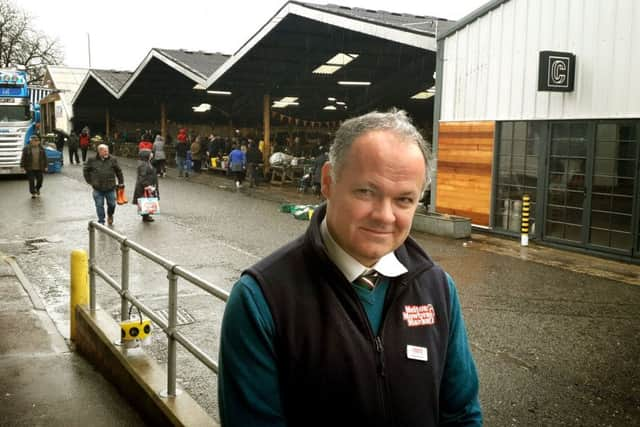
(331, 98)
(219, 92)
(202, 108)
(341, 103)
(329, 107)
(342, 59)
(353, 83)
(423, 95)
(432, 89)
(326, 69)
(278, 104)
(335, 63)
(288, 99)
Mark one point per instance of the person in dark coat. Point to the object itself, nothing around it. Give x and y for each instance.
(101, 173)
(146, 182)
(316, 178)
(34, 163)
(73, 145)
(254, 157)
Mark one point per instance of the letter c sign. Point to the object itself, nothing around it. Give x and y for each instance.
(556, 71)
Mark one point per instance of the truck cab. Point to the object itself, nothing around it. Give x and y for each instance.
(17, 119)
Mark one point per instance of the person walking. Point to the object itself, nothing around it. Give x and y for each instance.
(146, 182)
(196, 154)
(159, 156)
(72, 146)
(84, 143)
(352, 323)
(101, 173)
(60, 139)
(181, 152)
(237, 164)
(145, 143)
(254, 158)
(34, 163)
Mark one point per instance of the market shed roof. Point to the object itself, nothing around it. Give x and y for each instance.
(331, 62)
(66, 81)
(194, 66)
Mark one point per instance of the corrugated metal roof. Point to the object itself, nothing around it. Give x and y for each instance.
(113, 78)
(203, 63)
(404, 21)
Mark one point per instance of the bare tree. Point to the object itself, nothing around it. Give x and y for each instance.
(22, 45)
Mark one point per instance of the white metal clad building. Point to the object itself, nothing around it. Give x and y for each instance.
(541, 98)
(490, 66)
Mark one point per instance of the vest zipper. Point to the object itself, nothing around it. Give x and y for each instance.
(380, 350)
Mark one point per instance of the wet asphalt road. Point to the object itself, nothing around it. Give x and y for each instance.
(554, 347)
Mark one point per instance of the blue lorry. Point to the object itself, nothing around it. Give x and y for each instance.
(18, 119)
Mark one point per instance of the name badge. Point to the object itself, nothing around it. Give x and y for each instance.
(417, 353)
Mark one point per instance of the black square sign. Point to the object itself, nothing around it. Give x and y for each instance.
(557, 71)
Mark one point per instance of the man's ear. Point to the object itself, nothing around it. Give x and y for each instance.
(326, 180)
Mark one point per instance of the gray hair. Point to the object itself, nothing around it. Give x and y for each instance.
(32, 137)
(394, 120)
(103, 146)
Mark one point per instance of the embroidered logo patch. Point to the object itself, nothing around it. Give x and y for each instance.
(419, 315)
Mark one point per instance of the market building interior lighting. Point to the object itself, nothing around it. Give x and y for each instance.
(329, 107)
(335, 63)
(285, 102)
(425, 94)
(202, 108)
(219, 92)
(353, 83)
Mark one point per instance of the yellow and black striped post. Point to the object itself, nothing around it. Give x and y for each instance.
(524, 229)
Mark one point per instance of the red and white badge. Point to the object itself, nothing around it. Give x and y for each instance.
(419, 315)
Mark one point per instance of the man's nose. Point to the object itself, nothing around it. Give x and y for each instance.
(383, 211)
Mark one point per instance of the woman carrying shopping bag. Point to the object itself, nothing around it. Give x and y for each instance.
(146, 188)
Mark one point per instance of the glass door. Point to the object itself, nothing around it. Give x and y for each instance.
(566, 183)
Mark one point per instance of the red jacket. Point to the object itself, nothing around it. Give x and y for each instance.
(182, 135)
(145, 145)
(84, 140)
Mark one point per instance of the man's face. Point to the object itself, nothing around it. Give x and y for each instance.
(370, 207)
(35, 142)
(103, 152)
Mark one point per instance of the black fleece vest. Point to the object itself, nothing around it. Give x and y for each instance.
(333, 369)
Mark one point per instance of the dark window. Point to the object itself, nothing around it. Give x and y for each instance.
(517, 168)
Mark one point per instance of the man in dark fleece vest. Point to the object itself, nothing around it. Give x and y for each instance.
(352, 323)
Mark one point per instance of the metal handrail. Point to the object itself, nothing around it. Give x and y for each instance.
(174, 272)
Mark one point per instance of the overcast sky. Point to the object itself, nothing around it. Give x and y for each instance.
(123, 31)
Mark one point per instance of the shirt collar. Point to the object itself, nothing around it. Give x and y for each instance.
(388, 265)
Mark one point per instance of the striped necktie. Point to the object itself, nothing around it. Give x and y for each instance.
(368, 280)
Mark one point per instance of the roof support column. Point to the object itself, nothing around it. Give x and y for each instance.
(107, 120)
(266, 119)
(163, 120)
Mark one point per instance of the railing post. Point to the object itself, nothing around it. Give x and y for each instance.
(173, 319)
(124, 279)
(92, 273)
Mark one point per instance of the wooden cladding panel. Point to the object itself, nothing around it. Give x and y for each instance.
(465, 157)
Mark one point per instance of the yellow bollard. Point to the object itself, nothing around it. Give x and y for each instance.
(524, 229)
(79, 285)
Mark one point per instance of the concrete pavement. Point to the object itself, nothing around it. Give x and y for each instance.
(42, 381)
